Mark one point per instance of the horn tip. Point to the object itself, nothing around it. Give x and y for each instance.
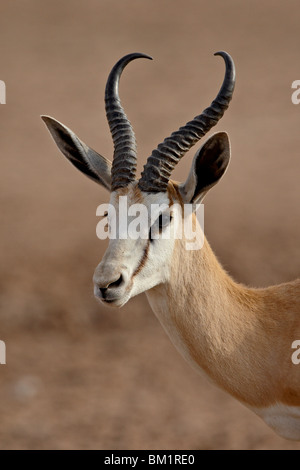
(144, 56)
(220, 53)
(223, 54)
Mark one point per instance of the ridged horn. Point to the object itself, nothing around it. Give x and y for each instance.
(165, 157)
(124, 161)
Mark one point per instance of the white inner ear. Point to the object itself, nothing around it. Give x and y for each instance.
(187, 189)
(97, 163)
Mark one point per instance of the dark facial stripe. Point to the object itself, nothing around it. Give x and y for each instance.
(143, 260)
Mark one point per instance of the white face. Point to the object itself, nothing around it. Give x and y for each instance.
(131, 266)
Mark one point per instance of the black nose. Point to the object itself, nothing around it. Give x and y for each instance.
(115, 283)
(111, 285)
(103, 291)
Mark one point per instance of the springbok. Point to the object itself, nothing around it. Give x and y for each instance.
(240, 337)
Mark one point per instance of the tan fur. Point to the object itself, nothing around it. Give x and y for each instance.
(241, 337)
(135, 193)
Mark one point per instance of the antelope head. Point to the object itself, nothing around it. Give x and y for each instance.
(134, 265)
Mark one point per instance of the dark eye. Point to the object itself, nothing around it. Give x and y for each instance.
(161, 222)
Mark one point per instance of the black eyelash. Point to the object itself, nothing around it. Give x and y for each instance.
(150, 238)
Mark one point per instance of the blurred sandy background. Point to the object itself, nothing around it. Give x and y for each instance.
(79, 375)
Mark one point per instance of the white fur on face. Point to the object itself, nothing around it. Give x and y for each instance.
(143, 263)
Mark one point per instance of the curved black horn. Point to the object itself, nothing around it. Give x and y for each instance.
(165, 157)
(124, 161)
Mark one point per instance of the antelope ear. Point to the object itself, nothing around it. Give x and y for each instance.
(208, 167)
(79, 154)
